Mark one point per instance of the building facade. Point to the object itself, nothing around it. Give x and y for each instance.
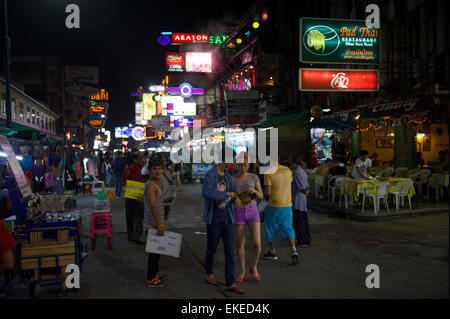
(28, 112)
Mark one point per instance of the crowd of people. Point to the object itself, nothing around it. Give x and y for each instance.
(232, 196)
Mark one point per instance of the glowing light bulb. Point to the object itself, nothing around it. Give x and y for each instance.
(255, 25)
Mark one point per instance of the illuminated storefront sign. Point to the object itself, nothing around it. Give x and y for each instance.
(138, 133)
(191, 38)
(101, 96)
(167, 99)
(96, 123)
(122, 132)
(181, 121)
(199, 62)
(182, 109)
(175, 62)
(98, 108)
(165, 38)
(337, 80)
(148, 106)
(185, 90)
(157, 88)
(184, 38)
(338, 41)
(139, 115)
(160, 121)
(217, 39)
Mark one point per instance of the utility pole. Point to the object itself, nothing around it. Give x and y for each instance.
(8, 75)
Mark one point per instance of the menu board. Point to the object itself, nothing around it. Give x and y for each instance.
(21, 180)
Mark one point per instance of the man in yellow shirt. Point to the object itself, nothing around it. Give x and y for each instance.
(278, 212)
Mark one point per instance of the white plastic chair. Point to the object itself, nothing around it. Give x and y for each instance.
(339, 187)
(438, 186)
(382, 193)
(333, 189)
(388, 172)
(401, 191)
(397, 170)
(421, 178)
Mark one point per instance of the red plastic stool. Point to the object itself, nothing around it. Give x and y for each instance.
(101, 223)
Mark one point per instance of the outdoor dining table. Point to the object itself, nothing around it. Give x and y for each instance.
(355, 187)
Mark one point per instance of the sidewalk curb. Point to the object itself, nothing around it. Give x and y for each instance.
(341, 213)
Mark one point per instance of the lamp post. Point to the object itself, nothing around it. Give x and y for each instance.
(8, 76)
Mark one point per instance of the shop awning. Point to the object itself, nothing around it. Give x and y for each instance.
(24, 132)
(345, 120)
(398, 108)
(280, 120)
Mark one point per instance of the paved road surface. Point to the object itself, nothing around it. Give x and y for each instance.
(412, 253)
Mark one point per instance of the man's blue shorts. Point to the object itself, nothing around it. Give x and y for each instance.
(278, 219)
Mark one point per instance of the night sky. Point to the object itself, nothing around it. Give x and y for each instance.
(120, 36)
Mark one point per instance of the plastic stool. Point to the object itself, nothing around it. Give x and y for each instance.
(101, 223)
(98, 186)
(87, 188)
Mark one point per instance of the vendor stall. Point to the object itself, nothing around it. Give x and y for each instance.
(47, 228)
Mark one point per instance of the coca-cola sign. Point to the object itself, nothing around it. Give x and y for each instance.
(338, 80)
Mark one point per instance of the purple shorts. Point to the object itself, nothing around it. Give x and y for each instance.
(246, 215)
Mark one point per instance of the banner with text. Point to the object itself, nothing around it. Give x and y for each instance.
(22, 182)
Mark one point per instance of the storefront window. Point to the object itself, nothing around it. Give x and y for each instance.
(21, 112)
(37, 118)
(33, 117)
(13, 109)
(28, 114)
(42, 122)
(3, 102)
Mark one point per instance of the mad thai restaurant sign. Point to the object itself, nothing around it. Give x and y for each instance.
(338, 80)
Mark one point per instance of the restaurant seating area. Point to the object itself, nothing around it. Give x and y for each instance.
(396, 190)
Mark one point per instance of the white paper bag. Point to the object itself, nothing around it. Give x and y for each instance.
(169, 244)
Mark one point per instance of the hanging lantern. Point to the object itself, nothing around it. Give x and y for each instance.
(316, 111)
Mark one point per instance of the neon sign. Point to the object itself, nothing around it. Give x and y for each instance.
(185, 90)
(101, 96)
(98, 107)
(338, 80)
(217, 39)
(165, 38)
(138, 133)
(183, 38)
(157, 88)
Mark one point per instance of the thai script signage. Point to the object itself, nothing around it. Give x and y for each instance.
(338, 80)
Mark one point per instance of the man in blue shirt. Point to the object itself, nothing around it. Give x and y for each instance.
(220, 198)
(118, 167)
